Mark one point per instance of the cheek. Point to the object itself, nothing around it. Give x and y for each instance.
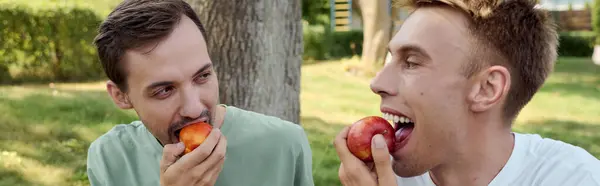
(211, 93)
(156, 114)
(438, 105)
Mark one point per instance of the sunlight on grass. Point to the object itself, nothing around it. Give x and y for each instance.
(572, 92)
(24, 91)
(345, 98)
(32, 170)
(555, 106)
(18, 92)
(52, 131)
(96, 86)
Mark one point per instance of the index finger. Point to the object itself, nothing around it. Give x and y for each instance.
(170, 154)
(341, 147)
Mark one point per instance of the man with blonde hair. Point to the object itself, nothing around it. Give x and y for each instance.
(460, 73)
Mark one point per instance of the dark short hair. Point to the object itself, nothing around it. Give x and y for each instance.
(134, 24)
(512, 33)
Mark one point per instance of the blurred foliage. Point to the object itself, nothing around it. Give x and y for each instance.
(47, 44)
(320, 43)
(579, 44)
(596, 20)
(316, 12)
(101, 7)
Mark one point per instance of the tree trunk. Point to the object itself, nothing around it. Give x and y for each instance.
(256, 47)
(377, 25)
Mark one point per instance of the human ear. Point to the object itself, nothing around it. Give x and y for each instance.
(118, 96)
(489, 89)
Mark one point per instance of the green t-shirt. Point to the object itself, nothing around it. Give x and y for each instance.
(261, 151)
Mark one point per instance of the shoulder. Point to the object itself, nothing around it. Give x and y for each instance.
(265, 122)
(119, 145)
(121, 154)
(560, 160)
(565, 154)
(266, 126)
(105, 153)
(117, 136)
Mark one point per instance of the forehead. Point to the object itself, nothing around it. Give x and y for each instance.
(175, 58)
(437, 30)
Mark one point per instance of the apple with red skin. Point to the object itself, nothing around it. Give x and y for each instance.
(193, 135)
(361, 133)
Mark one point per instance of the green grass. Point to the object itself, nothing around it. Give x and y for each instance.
(44, 134)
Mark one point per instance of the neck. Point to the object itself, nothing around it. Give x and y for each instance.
(477, 161)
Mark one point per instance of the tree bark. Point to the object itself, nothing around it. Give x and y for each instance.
(256, 47)
(377, 25)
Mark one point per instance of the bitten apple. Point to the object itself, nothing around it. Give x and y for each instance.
(193, 135)
(362, 131)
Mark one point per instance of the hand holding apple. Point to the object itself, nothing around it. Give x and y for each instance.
(362, 131)
(201, 165)
(367, 142)
(193, 135)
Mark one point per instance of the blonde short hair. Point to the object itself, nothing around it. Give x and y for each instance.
(522, 38)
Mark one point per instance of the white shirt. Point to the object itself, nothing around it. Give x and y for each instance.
(538, 161)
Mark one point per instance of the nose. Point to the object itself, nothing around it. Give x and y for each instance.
(384, 83)
(191, 105)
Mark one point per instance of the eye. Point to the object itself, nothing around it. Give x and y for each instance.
(203, 77)
(411, 62)
(163, 92)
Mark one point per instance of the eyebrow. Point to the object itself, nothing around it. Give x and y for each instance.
(412, 47)
(202, 69)
(165, 83)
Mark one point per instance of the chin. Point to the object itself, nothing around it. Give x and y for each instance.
(408, 169)
(407, 162)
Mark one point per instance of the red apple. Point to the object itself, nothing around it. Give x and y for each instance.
(362, 131)
(193, 135)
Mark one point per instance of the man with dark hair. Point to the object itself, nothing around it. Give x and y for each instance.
(154, 52)
(460, 72)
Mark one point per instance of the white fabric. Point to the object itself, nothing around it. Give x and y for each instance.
(538, 161)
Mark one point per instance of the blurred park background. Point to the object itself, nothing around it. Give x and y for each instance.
(53, 102)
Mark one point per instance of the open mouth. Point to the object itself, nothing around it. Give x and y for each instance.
(176, 134)
(403, 126)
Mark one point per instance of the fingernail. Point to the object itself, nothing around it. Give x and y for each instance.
(180, 145)
(379, 141)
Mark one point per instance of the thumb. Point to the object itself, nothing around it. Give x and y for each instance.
(171, 153)
(382, 160)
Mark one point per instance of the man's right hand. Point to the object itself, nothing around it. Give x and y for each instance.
(199, 167)
(354, 172)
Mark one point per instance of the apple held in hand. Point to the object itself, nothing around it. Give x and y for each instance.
(362, 131)
(193, 135)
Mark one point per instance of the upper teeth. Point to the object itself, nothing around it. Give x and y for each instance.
(396, 119)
